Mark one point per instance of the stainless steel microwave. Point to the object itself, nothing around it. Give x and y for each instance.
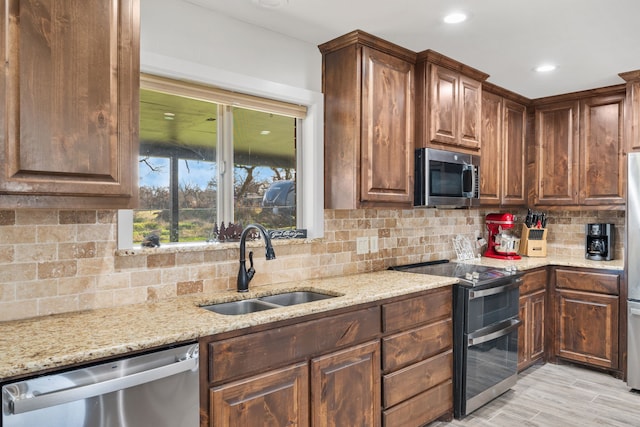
(446, 178)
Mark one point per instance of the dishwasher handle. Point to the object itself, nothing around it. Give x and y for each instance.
(22, 404)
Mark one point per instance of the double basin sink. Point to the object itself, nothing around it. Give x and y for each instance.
(267, 302)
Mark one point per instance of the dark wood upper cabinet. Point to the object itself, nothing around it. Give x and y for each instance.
(503, 153)
(368, 86)
(557, 154)
(448, 103)
(580, 150)
(69, 110)
(602, 151)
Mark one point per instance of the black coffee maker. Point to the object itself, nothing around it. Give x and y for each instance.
(599, 242)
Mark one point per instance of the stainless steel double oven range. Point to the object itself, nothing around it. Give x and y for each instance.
(485, 330)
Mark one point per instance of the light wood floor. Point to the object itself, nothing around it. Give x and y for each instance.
(559, 396)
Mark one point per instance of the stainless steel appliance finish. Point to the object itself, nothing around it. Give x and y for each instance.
(485, 330)
(446, 178)
(632, 265)
(468, 274)
(158, 389)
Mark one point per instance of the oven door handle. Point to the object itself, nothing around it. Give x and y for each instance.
(513, 324)
(492, 291)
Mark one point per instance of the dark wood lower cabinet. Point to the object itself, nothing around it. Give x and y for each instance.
(417, 360)
(345, 387)
(276, 398)
(390, 360)
(587, 328)
(532, 314)
(587, 317)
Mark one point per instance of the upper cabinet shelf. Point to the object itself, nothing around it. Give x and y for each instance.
(69, 109)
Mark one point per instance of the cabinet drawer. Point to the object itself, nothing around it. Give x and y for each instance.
(412, 346)
(253, 353)
(603, 283)
(417, 378)
(402, 315)
(422, 408)
(533, 281)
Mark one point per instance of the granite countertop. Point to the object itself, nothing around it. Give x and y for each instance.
(45, 343)
(50, 342)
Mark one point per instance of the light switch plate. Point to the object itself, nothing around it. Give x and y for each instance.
(362, 245)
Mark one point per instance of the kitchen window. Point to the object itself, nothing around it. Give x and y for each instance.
(210, 157)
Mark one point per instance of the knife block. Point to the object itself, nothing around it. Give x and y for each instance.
(533, 242)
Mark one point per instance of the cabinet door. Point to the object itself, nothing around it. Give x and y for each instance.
(386, 172)
(443, 105)
(345, 388)
(69, 94)
(513, 154)
(602, 160)
(470, 112)
(536, 328)
(491, 164)
(587, 328)
(557, 154)
(277, 398)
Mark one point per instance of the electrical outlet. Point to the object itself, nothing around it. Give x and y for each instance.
(373, 244)
(362, 245)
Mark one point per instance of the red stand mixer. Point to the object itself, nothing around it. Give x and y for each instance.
(501, 244)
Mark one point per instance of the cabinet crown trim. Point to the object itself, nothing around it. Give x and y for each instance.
(444, 61)
(369, 40)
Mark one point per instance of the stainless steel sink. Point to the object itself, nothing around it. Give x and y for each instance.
(266, 303)
(239, 307)
(293, 298)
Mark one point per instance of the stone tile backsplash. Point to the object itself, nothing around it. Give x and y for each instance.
(55, 261)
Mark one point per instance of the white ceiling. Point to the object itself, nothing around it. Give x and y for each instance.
(590, 41)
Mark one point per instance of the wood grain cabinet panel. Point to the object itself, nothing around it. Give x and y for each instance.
(531, 334)
(406, 314)
(448, 103)
(368, 87)
(580, 152)
(587, 327)
(557, 148)
(345, 387)
(277, 398)
(503, 159)
(327, 370)
(417, 359)
(602, 151)
(416, 344)
(588, 281)
(428, 405)
(69, 109)
(234, 357)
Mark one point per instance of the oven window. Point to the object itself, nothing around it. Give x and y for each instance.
(487, 310)
(491, 362)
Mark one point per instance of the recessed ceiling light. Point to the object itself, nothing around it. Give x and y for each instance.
(455, 18)
(271, 4)
(265, 132)
(545, 68)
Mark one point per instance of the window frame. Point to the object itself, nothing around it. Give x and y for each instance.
(310, 154)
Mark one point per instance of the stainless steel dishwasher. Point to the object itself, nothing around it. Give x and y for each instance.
(158, 389)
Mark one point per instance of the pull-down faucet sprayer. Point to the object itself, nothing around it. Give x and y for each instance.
(244, 275)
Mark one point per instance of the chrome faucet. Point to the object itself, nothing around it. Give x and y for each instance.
(244, 275)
